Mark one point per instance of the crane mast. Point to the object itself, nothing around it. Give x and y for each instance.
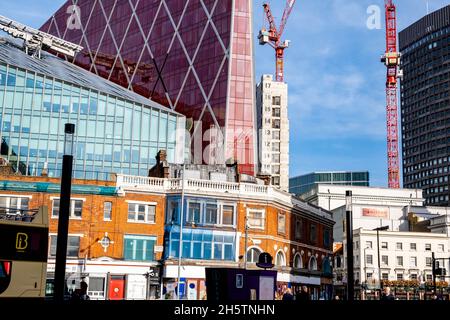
(273, 37)
(392, 61)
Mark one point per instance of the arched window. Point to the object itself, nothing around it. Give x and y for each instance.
(312, 263)
(253, 255)
(326, 266)
(280, 259)
(298, 262)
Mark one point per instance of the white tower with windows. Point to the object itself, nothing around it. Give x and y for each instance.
(273, 130)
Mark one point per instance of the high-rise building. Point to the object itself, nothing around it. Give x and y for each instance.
(303, 184)
(194, 57)
(116, 130)
(273, 130)
(425, 105)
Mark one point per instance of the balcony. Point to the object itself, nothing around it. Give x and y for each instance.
(212, 188)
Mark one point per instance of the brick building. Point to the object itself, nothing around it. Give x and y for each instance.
(124, 235)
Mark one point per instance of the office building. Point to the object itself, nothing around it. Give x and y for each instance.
(303, 184)
(116, 130)
(425, 105)
(194, 57)
(273, 130)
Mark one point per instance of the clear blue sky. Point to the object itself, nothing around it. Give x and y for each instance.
(336, 82)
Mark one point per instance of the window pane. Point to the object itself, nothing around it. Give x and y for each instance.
(194, 212)
(151, 214)
(128, 249)
(107, 209)
(281, 223)
(227, 218)
(211, 214)
(131, 211)
(218, 251)
(78, 205)
(55, 211)
(73, 246)
(141, 213)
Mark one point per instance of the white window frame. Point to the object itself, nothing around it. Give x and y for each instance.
(415, 246)
(315, 266)
(8, 201)
(263, 218)
(397, 258)
(397, 246)
(189, 203)
(284, 264)
(387, 245)
(204, 214)
(136, 206)
(253, 247)
(73, 235)
(301, 261)
(72, 207)
(110, 219)
(283, 214)
(221, 205)
(415, 261)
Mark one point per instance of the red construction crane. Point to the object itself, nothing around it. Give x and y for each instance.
(392, 61)
(273, 37)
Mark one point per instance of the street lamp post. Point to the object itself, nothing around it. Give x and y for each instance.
(378, 253)
(64, 211)
(180, 247)
(349, 237)
(246, 242)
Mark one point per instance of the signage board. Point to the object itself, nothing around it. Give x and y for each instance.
(371, 212)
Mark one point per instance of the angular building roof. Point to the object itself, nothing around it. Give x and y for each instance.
(52, 66)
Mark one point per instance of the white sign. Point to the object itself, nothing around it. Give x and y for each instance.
(136, 287)
(159, 248)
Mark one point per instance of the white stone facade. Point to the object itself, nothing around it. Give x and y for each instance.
(403, 255)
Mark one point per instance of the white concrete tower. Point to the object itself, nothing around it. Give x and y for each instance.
(273, 130)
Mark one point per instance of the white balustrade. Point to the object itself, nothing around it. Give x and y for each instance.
(129, 182)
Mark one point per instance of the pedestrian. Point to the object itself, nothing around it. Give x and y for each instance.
(337, 298)
(81, 293)
(288, 296)
(303, 295)
(387, 295)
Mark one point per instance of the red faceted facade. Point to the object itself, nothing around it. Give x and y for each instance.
(193, 56)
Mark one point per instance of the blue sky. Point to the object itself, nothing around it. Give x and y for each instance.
(336, 82)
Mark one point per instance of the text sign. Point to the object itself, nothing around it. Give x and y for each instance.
(23, 243)
(380, 213)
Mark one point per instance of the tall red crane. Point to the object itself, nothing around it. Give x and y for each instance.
(392, 61)
(273, 37)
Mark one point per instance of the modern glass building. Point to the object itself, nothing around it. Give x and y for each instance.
(304, 183)
(195, 57)
(425, 106)
(117, 131)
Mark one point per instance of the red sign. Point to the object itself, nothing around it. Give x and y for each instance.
(381, 213)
